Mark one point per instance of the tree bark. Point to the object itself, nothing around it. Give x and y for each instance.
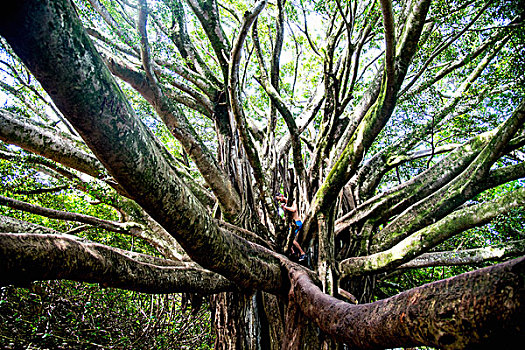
(239, 322)
(29, 257)
(478, 309)
(85, 92)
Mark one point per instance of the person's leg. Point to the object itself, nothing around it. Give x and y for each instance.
(296, 244)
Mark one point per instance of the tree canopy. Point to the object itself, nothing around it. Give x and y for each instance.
(394, 128)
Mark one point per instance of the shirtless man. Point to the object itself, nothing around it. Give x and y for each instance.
(295, 216)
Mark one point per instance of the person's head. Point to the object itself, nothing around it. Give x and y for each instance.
(280, 197)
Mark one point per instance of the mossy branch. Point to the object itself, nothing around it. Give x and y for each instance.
(428, 237)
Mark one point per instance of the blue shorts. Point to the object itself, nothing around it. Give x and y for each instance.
(299, 224)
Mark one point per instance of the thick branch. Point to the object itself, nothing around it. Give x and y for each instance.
(368, 180)
(375, 118)
(236, 106)
(394, 201)
(483, 308)
(208, 14)
(401, 197)
(68, 152)
(145, 53)
(26, 258)
(47, 143)
(468, 256)
(202, 83)
(182, 40)
(181, 128)
(390, 42)
(152, 234)
(462, 188)
(428, 237)
(83, 89)
(289, 119)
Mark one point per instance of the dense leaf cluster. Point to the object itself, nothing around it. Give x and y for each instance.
(68, 315)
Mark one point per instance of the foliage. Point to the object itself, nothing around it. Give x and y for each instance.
(70, 315)
(73, 315)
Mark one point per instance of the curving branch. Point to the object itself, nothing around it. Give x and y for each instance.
(467, 257)
(138, 80)
(428, 237)
(151, 232)
(442, 47)
(151, 71)
(114, 45)
(154, 235)
(462, 188)
(236, 107)
(378, 113)
(112, 226)
(69, 152)
(397, 199)
(85, 92)
(182, 40)
(390, 42)
(373, 170)
(437, 314)
(28, 257)
(368, 181)
(202, 103)
(303, 120)
(159, 65)
(271, 85)
(246, 234)
(208, 14)
(289, 119)
(442, 73)
(46, 142)
(182, 129)
(106, 16)
(38, 162)
(352, 66)
(145, 53)
(386, 205)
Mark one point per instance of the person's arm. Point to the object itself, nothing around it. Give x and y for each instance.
(292, 208)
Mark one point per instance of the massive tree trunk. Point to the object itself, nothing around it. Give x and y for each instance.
(237, 321)
(262, 321)
(354, 230)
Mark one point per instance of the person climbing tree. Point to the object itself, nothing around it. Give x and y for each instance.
(298, 222)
